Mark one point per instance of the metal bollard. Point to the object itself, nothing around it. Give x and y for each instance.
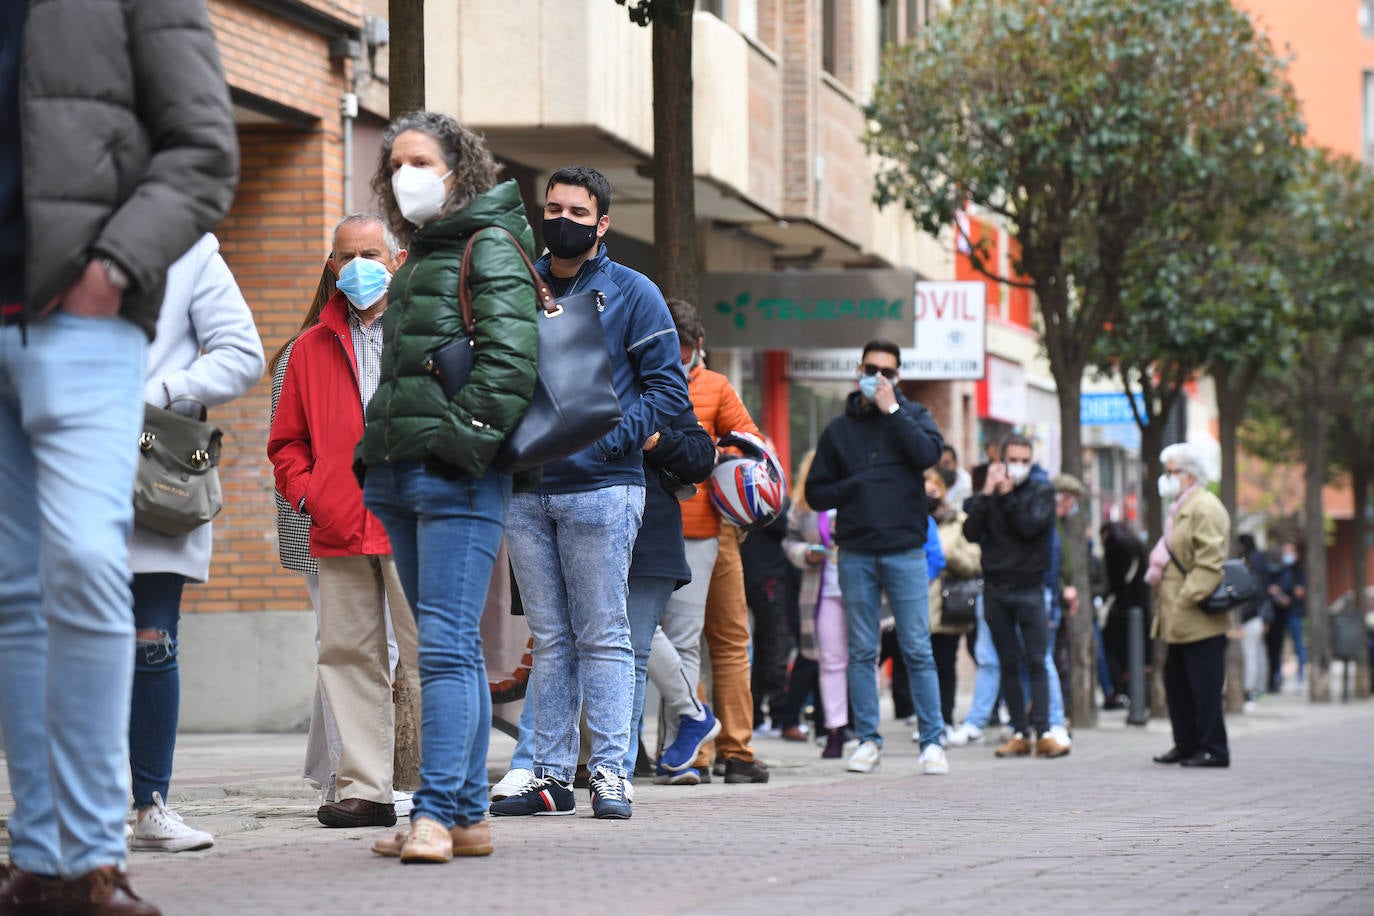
(1140, 712)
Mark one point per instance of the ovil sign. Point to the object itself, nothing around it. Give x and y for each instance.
(782, 310)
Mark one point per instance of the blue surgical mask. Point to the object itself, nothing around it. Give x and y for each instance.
(1289, 559)
(868, 384)
(364, 281)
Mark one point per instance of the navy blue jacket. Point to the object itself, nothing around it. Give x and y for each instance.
(685, 449)
(646, 370)
(871, 467)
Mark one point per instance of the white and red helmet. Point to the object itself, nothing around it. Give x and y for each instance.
(749, 491)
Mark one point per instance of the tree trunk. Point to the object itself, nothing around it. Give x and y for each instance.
(407, 56)
(1359, 479)
(1318, 621)
(406, 756)
(675, 232)
(1082, 639)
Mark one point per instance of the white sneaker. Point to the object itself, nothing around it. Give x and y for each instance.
(933, 761)
(158, 827)
(965, 734)
(866, 759)
(404, 802)
(512, 784)
(629, 790)
(1061, 735)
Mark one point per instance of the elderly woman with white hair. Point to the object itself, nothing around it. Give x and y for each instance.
(1185, 567)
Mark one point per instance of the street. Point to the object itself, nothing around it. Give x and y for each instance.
(1289, 828)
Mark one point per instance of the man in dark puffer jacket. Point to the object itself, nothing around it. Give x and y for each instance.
(124, 156)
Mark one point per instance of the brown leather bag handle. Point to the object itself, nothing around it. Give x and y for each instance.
(547, 304)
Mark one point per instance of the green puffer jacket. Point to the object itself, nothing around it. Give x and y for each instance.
(408, 418)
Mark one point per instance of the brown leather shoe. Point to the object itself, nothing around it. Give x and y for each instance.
(472, 840)
(1015, 746)
(357, 812)
(103, 892)
(23, 892)
(429, 842)
(1048, 747)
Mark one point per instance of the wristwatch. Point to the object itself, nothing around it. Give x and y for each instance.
(115, 274)
(894, 408)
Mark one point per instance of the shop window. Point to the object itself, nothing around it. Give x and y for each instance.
(1368, 118)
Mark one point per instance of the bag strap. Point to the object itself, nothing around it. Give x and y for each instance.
(547, 303)
(1176, 562)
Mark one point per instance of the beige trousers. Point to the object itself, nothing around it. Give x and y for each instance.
(354, 669)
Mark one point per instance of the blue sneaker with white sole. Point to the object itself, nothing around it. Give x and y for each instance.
(543, 796)
(691, 735)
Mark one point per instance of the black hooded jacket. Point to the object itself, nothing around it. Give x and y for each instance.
(871, 467)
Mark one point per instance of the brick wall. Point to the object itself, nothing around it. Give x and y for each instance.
(275, 240)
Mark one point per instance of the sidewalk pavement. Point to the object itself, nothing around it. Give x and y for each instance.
(1289, 828)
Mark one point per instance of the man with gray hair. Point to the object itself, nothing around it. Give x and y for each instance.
(333, 372)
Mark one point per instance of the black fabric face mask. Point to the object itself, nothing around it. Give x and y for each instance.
(567, 239)
(934, 504)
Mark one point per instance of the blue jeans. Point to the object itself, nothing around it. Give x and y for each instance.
(157, 684)
(987, 681)
(71, 408)
(864, 577)
(571, 557)
(445, 535)
(1295, 623)
(648, 596)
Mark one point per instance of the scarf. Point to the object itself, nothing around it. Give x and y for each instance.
(1159, 555)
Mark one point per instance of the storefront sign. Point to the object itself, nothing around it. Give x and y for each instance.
(805, 309)
(1108, 409)
(951, 321)
(1007, 391)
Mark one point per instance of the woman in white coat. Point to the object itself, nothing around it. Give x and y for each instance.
(206, 349)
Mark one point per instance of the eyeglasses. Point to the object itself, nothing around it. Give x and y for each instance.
(887, 373)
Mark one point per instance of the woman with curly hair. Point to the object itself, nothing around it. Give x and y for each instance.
(428, 457)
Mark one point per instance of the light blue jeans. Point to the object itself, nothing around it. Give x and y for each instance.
(445, 535)
(71, 409)
(864, 577)
(645, 602)
(987, 680)
(571, 557)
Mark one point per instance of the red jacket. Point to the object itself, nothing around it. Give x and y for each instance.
(318, 423)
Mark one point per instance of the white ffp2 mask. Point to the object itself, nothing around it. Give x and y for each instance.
(420, 193)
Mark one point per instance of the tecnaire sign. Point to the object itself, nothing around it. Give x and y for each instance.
(808, 309)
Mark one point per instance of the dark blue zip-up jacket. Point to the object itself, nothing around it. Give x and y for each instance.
(646, 371)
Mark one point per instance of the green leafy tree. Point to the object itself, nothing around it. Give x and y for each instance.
(1352, 448)
(675, 228)
(1329, 257)
(1075, 121)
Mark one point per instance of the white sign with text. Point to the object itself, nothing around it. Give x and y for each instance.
(950, 332)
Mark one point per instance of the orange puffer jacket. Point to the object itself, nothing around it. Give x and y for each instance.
(720, 411)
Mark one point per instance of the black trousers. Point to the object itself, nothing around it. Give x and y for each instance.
(1273, 644)
(772, 645)
(903, 707)
(1007, 611)
(946, 651)
(1193, 677)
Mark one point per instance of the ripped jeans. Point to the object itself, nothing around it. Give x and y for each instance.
(157, 684)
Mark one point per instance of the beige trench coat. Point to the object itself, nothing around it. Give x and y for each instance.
(1202, 533)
